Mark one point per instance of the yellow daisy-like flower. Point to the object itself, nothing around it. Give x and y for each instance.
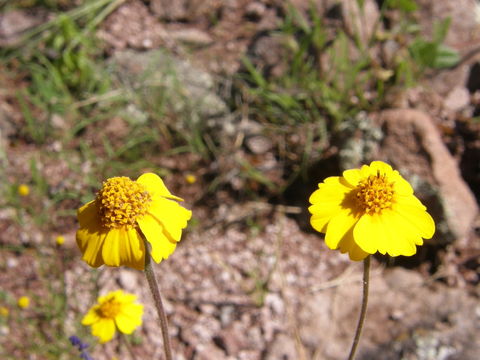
(113, 226)
(23, 302)
(115, 310)
(368, 210)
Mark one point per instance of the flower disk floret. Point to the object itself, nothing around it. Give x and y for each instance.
(124, 213)
(368, 210)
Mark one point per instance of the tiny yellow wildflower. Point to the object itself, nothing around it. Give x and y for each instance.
(368, 210)
(23, 190)
(4, 311)
(23, 302)
(124, 213)
(115, 310)
(60, 240)
(190, 178)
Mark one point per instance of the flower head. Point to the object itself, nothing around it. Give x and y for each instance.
(23, 190)
(60, 240)
(124, 213)
(115, 310)
(23, 302)
(368, 210)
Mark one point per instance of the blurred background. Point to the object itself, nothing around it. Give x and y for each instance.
(242, 107)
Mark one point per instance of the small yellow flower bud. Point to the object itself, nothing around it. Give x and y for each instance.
(24, 302)
(191, 179)
(60, 240)
(4, 311)
(23, 190)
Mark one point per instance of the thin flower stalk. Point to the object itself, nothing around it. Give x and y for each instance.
(363, 310)
(157, 299)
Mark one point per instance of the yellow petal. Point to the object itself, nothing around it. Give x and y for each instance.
(104, 329)
(367, 233)
(385, 234)
(112, 294)
(398, 239)
(332, 189)
(352, 176)
(111, 247)
(380, 166)
(90, 242)
(129, 318)
(405, 236)
(348, 245)
(400, 185)
(124, 247)
(90, 236)
(91, 317)
(155, 186)
(409, 200)
(322, 213)
(170, 215)
(126, 298)
(132, 250)
(88, 214)
(162, 245)
(324, 208)
(417, 217)
(338, 227)
(320, 223)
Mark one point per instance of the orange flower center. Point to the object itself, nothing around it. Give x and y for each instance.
(121, 201)
(374, 194)
(109, 309)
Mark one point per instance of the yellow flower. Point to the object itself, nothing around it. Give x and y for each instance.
(4, 311)
(191, 179)
(124, 213)
(60, 240)
(23, 190)
(23, 302)
(368, 210)
(115, 310)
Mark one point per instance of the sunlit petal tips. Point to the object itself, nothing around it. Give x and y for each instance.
(368, 210)
(124, 213)
(116, 310)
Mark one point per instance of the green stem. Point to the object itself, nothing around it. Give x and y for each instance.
(363, 311)
(152, 283)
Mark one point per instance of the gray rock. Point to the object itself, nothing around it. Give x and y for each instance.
(191, 36)
(258, 144)
(457, 99)
(184, 87)
(15, 22)
(128, 279)
(360, 139)
(283, 347)
(170, 10)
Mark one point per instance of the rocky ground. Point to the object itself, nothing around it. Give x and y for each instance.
(272, 290)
